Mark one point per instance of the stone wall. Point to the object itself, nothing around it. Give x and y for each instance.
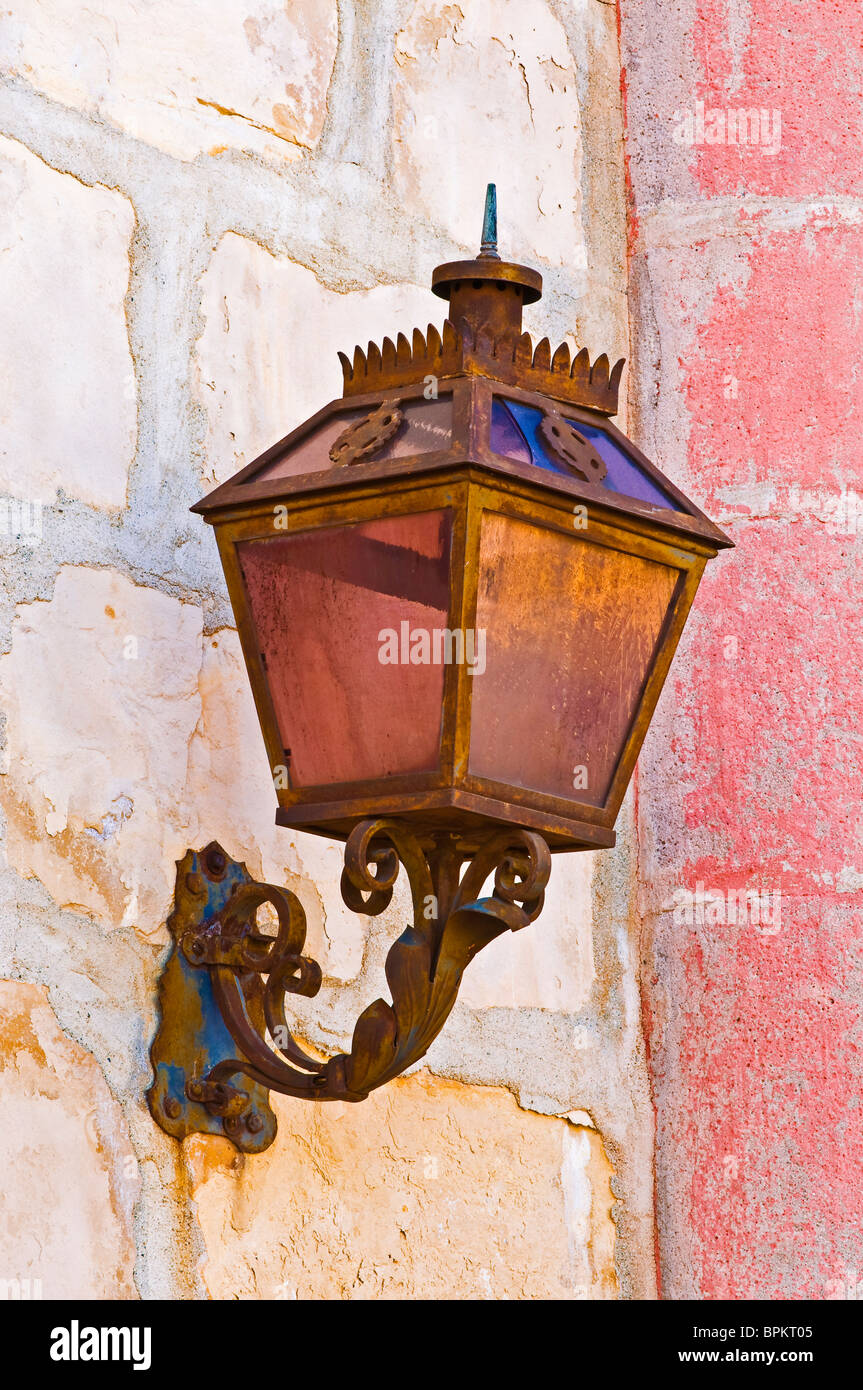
(200, 204)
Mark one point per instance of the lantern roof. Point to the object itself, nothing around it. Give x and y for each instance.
(476, 394)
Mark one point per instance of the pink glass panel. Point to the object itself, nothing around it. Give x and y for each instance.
(323, 603)
(571, 632)
(312, 454)
(426, 427)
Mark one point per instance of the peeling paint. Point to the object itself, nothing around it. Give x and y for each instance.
(745, 306)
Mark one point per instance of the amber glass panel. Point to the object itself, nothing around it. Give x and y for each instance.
(426, 426)
(571, 632)
(320, 601)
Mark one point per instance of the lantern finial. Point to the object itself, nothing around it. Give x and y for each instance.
(473, 288)
(488, 248)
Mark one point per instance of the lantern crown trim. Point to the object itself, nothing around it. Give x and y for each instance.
(510, 358)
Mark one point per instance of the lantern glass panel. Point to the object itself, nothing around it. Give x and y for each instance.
(425, 427)
(514, 434)
(323, 604)
(572, 629)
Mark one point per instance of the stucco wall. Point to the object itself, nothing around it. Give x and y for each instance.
(200, 205)
(745, 296)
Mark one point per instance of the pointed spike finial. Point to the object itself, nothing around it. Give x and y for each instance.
(488, 247)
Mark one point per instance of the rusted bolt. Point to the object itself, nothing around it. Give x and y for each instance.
(172, 1108)
(255, 1122)
(194, 1090)
(195, 885)
(215, 862)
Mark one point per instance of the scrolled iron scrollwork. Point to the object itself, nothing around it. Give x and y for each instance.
(252, 973)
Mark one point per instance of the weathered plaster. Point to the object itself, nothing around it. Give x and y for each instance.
(68, 397)
(254, 77)
(429, 1182)
(244, 250)
(60, 1118)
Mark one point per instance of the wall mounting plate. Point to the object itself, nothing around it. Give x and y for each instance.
(192, 1037)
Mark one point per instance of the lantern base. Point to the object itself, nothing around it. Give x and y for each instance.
(467, 816)
(223, 1041)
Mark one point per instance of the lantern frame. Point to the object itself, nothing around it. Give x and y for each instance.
(468, 478)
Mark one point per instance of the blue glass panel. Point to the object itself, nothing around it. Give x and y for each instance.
(514, 433)
(506, 437)
(624, 474)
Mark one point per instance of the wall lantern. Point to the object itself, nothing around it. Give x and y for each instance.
(458, 591)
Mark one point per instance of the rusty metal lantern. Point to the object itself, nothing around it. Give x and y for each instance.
(458, 590)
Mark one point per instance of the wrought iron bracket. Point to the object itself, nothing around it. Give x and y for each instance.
(223, 1041)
